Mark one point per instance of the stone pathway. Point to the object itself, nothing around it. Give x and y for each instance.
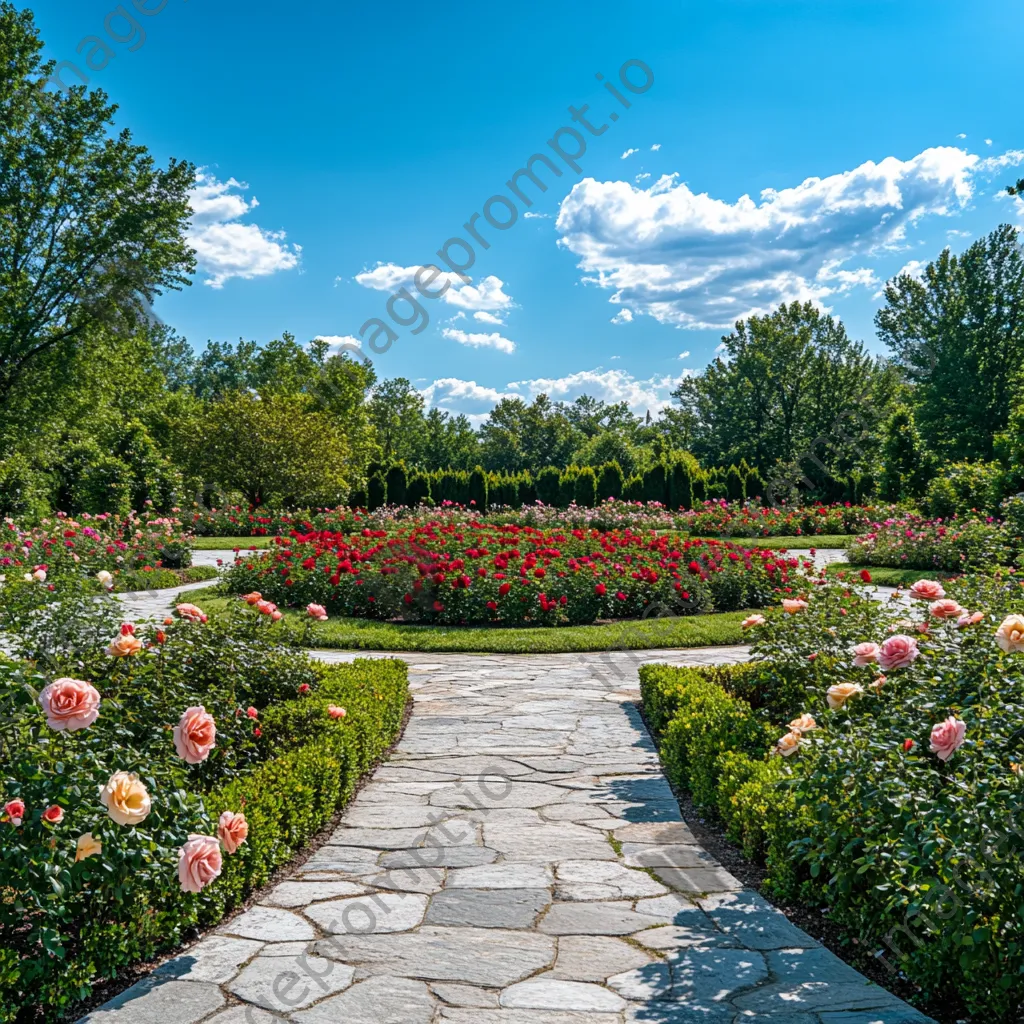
(520, 859)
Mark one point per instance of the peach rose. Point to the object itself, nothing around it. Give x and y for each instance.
(125, 798)
(87, 846)
(195, 735)
(877, 683)
(1010, 634)
(897, 651)
(232, 830)
(15, 811)
(191, 613)
(266, 607)
(865, 654)
(254, 598)
(53, 815)
(839, 694)
(945, 609)
(199, 863)
(947, 738)
(335, 712)
(317, 611)
(105, 579)
(792, 605)
(124, 646)
(927, 590)
(969, 619)
(805, 723)
(752, 620)
(789, 744)
(70, 704)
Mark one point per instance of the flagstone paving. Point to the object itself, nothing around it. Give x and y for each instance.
(520, 859)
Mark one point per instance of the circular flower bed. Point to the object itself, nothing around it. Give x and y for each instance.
(451, 573)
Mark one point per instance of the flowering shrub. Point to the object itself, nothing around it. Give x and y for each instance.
(748, 519)
(148, 786)
(892, 791)
(106, 547)
(952, 545)
(443, 572)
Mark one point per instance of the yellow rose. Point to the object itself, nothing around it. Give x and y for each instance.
(124, 647)
(126, 799)
(87, 846)
(839, 694)
(789, 744)
(805, 723)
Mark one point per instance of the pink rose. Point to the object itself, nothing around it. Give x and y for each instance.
(897, 651)
(793, 605)
(945, 609)
(927, 590)
(199, 863)
(191, 613)
(54, 815)
(947, 737)
(969, 619)
(752, 620)
(266, 607)
(70, 704)
(15, 811)
(335, 712)
(195, 735)
(865, 654)
(232, 830)
(317, 611)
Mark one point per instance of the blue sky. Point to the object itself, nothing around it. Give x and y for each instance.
(341, 145)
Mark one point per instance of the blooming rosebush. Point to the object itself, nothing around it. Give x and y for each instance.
(748, 519)
(437, 571)
(148, 788)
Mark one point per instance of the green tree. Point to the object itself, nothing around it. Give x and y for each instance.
(610, 482)
(91, 230)
(958, 335)
(396, 413)
(585, 488)
(478, 496)
(904, 461)
(449, 442)
(397, 485)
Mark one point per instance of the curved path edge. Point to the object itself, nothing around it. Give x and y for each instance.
(520, 859)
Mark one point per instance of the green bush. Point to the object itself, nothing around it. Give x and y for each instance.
(963, 489)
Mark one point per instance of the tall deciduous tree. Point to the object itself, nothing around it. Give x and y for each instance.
(91, 230)
(958, 335)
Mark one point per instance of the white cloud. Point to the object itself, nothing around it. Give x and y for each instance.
(912, 268)
(683, 355)
(962, 135)
(225, 248)
(479, 340)
(611, 385)
(642, 177)
(695, 261)
(656, 147)
(487, 295)
(530, 215)
(988, 142)
(342, 342)
(629, 153)
(624, 316)
(488, 318)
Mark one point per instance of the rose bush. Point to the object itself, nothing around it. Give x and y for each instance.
(443, 572)
(953, 545)
(147, 793)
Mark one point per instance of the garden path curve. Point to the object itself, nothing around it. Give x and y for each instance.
(520, 859)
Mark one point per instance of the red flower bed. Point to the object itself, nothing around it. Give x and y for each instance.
(451, 573)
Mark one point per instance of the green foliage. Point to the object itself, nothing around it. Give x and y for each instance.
(681, 487)
(418, 492)
(478, 490)
(376, 493)
(547, 483)
(396, 485)
(585, 488)
(610, 482)
(905, 464)
(656, 484)
(964, 489)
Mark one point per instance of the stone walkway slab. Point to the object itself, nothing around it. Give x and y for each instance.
(519, 860)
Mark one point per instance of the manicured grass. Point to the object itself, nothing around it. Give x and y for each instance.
(160, 579)
(366, 635)
(884, 576)
(825, 540)
(227, 543)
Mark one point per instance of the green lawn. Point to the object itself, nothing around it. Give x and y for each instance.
(227, 543)
(887, 577)
(366, 635)
(825, 540)
(161, 579)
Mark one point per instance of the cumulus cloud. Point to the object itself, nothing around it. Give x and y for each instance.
(226, 248)
(488, 318)
(629, 153)
(698, 262)
(530, 215)
(656, 147)
(479, 340)
(341, 342)
(624, 316)
(488, 294)
(683, 355)
(608, 385)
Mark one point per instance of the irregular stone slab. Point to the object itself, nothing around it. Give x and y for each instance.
(301, 894)
(593, 919)
(595, 958)
(645, 855)
(268, 924)
(159, 1001)
(754, 922)
(429, 858)
(507, 875)
(286, 983)
(341, 860)
(658, 834)
(375, 1001)
(551, 994)
(245, 1015)
(492, 958)
(650, 983)
(407, 880)
(378, 913)
(699, 880)
(393, 815)
(708, 976)
(464, 995)
(452, 1015)
(217, 959)
(674, 907)
(603, 880)
(808, 980)
(488, 908)
(891, 1015)
(546, 843)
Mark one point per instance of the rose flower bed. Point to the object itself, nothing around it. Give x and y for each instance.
(749, 519)
(148, 785)
(872, 755)
(455, 573)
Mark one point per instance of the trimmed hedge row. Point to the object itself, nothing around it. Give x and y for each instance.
(313, 767)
